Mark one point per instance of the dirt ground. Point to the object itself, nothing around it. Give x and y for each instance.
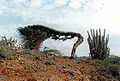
(46, 67)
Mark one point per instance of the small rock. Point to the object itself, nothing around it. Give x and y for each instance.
(21, 62)
(86, 78)
(31, 79)
(54, 78)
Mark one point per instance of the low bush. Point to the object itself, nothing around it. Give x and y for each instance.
(2, 53)
(7, 41)
(109, 67)
(113, 59)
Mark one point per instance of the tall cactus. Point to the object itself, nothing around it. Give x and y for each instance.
(98, 44)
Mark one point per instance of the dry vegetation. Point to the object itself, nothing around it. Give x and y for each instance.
(17, 64)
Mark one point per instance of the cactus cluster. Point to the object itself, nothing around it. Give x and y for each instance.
(7, 41)
(98, 44)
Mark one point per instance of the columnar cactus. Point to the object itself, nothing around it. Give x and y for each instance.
(98, 44)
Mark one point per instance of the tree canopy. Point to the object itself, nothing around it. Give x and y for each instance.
(34, 35)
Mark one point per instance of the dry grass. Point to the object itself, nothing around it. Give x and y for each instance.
(17, 64)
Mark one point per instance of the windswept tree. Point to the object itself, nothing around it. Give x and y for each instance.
(34, 35)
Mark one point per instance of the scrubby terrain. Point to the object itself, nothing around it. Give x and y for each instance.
(26, 65)
(18, 64)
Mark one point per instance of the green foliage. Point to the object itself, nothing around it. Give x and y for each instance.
(32, 38)
(7, 42)
(54, 34)
(98, 44)
(34, 35)
(52, 51)
(2, 53)
(114, 70)
(108, 70)
(113, 60)
(42, 28)
(109, 67)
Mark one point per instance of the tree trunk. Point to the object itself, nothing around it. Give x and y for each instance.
(77, 43)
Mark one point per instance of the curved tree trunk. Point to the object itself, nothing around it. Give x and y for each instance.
(36, 34)
(76, 44)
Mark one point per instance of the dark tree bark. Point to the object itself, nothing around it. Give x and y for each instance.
(76, 44)
(34, 35)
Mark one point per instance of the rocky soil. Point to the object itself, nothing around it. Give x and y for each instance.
(34, 66)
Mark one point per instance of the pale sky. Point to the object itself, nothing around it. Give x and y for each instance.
(67, 15)
(110, 16)
(61, 14)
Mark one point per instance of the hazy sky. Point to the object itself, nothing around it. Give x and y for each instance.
(67, 15)
(62, 14)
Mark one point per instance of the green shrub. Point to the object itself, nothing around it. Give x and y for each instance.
(2, 53)
(7, 41)
(109, 67)
(113, 59)
(114, 70)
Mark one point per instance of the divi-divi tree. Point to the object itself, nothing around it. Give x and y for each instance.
(33, 36)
